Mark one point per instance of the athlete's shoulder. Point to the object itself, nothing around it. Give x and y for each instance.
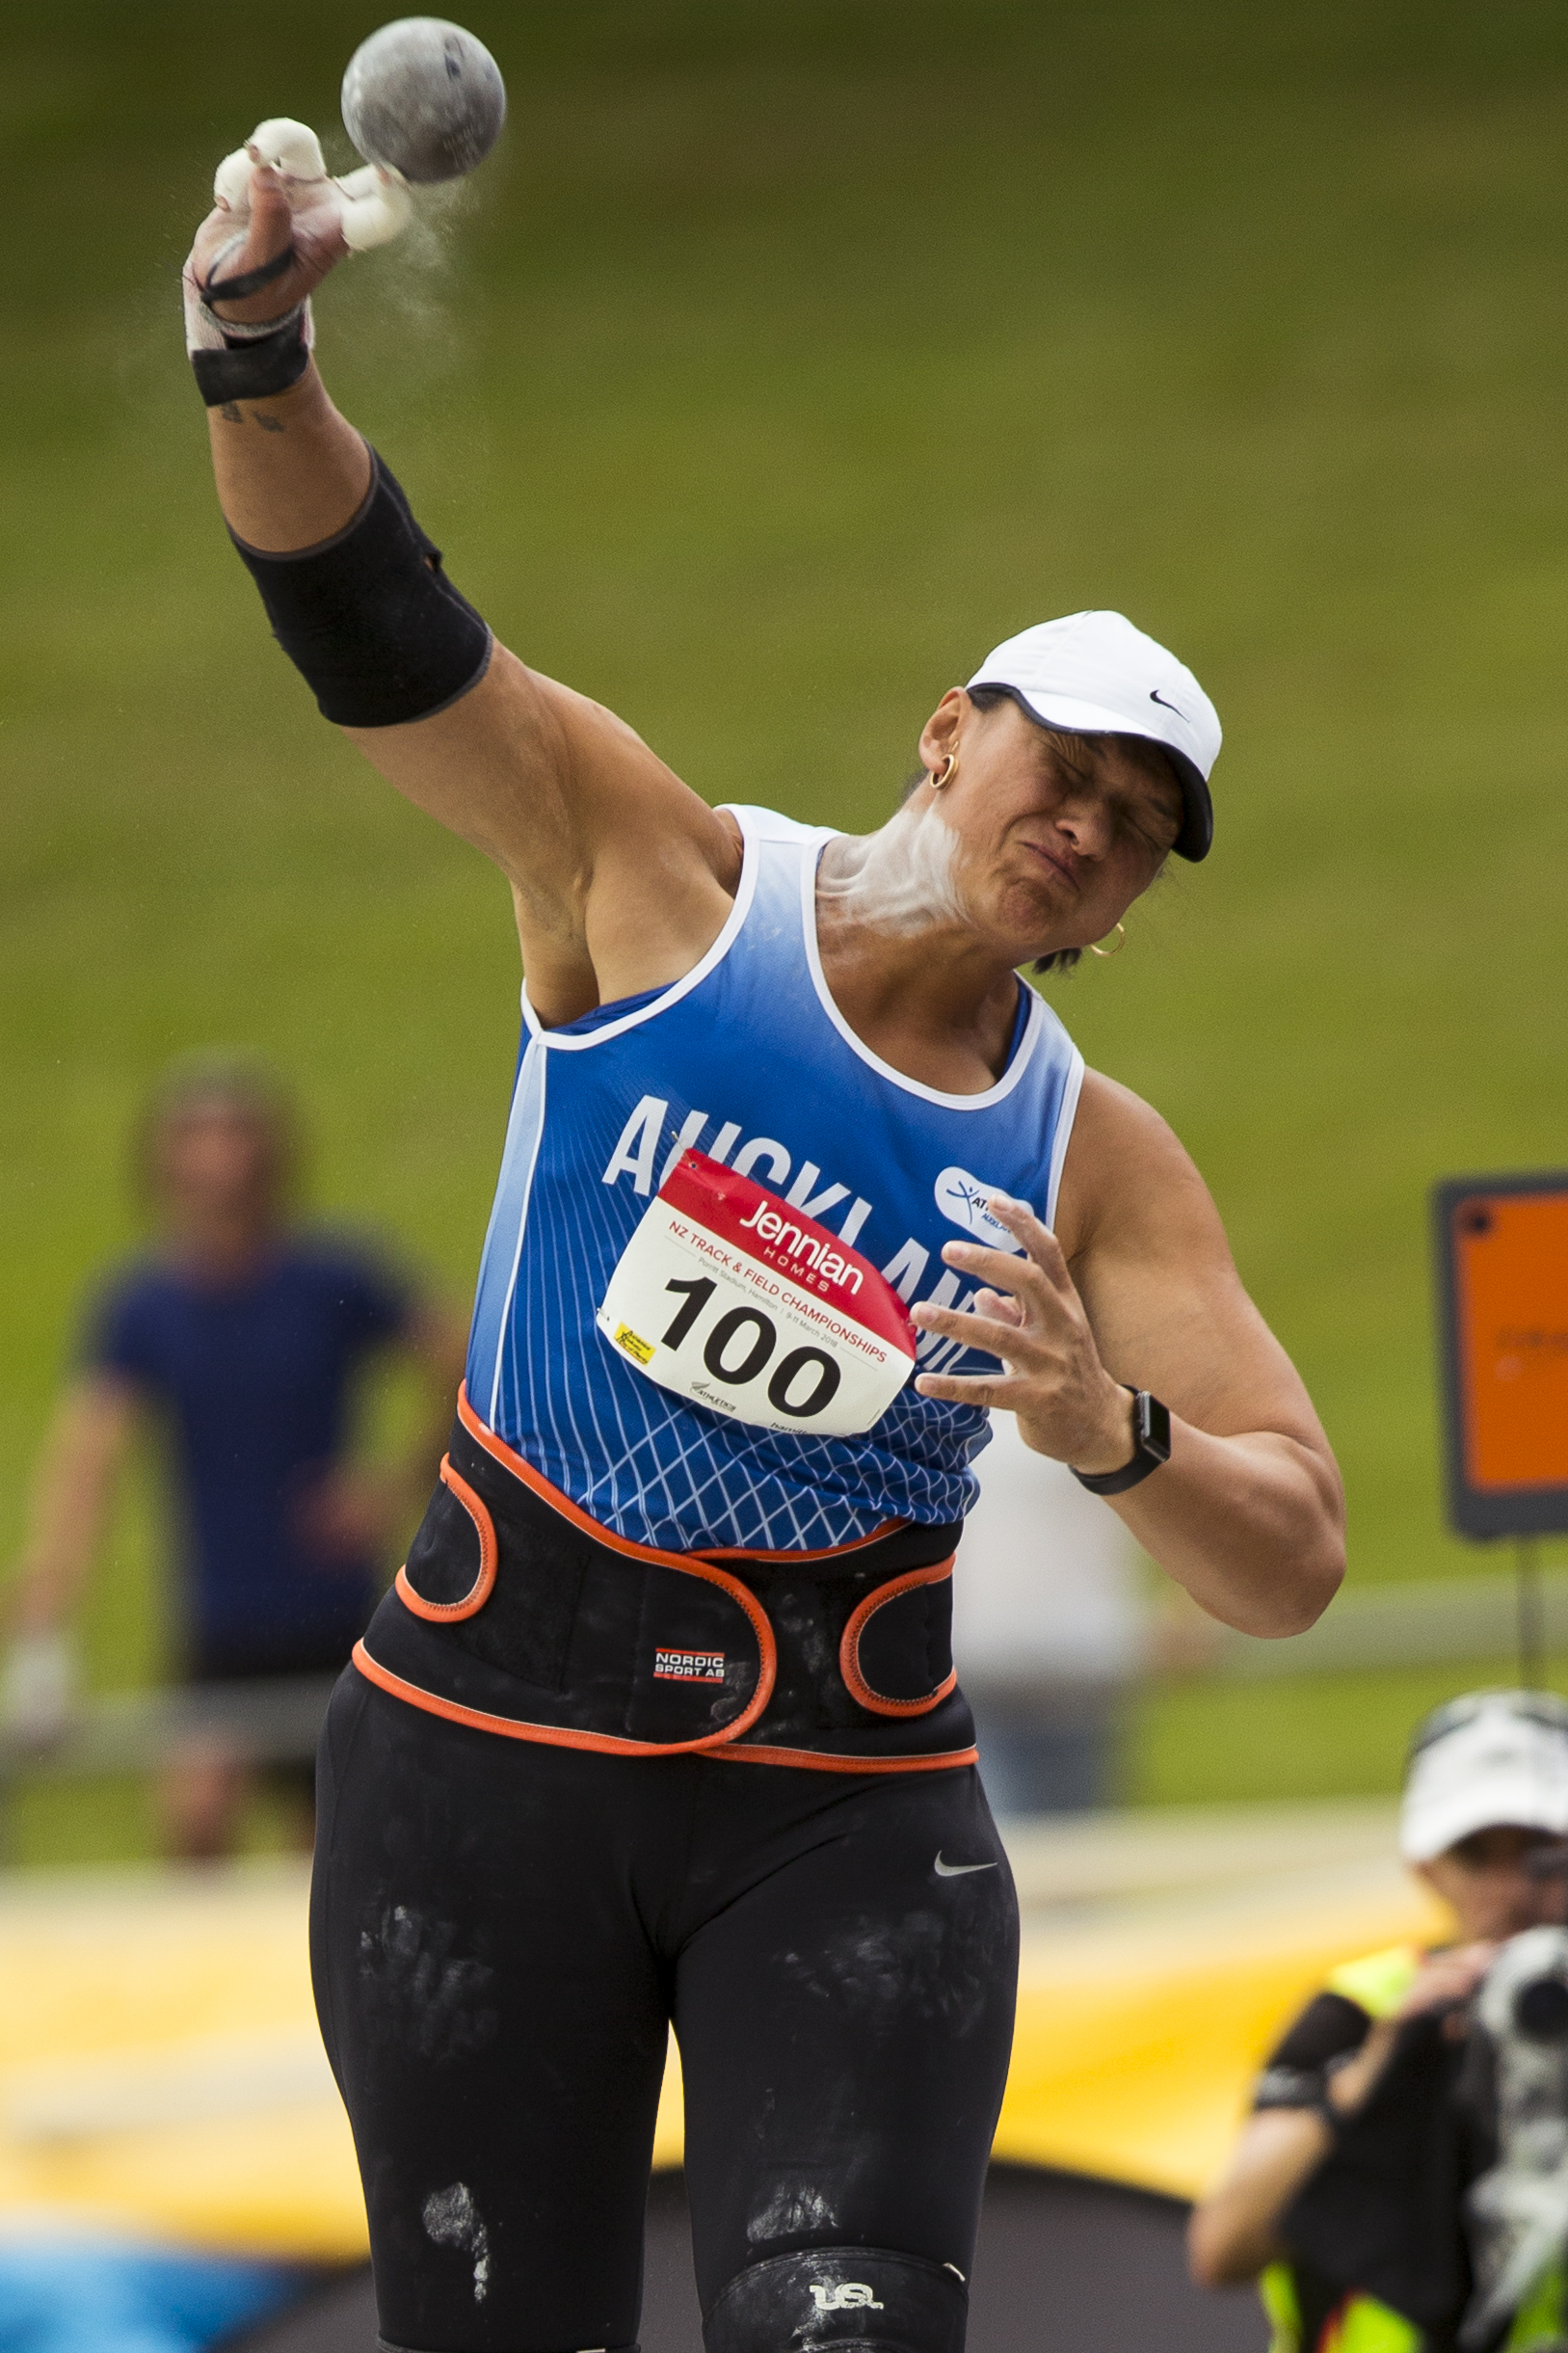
(1127, 1175)
(1113, 1120)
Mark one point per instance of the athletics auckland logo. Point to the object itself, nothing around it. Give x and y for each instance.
(964, 1200)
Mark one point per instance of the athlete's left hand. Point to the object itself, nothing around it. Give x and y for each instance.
(1031, 1316)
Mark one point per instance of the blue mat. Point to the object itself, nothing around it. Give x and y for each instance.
(81, 2296)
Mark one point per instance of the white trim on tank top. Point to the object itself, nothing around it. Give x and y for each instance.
(813, 839)
(503, 1326)
(1033, 1029)
(1063, 1137)
(745, 892)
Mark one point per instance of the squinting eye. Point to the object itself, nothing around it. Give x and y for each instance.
(1157, 832)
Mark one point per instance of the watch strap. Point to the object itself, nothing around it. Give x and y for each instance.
(1151, 1446)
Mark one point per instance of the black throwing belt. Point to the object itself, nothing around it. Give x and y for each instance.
(517, 1613)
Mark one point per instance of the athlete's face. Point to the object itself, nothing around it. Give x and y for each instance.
(1058, 835)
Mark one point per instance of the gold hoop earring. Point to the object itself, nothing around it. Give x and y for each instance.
(1106, 953)
(946, 776)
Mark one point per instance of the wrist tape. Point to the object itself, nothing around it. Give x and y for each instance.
(235, 361)
(252, 368)
(368, 617)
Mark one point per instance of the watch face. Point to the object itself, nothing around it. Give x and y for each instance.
(1153, 1427)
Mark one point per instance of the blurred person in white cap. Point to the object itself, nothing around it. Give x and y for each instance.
(1342, 2197)
(742, 1035)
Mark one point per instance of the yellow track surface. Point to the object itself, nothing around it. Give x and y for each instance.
(160, 2070)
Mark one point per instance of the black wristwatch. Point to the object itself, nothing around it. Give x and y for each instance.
(1151, 1446)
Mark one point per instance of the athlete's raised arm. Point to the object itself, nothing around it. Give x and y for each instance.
(621, 874)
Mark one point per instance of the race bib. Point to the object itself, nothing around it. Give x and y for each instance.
(729, 1298)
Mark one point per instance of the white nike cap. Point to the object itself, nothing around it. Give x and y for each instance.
(1096, 675)
(1492, 1757)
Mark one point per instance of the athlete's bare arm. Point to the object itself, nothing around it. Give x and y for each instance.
(622, 879)
(1137, 1288)
(621, 876)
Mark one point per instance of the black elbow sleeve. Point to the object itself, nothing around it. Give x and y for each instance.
(370, 619)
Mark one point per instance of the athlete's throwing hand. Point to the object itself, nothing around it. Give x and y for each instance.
(306, 215)
(1067, 1404)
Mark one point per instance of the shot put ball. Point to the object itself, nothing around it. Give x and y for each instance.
(424, 98)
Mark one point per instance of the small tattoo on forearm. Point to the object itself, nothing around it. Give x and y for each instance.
(233, 414)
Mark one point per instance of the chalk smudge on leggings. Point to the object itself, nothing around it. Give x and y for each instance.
(791, 2209)
(923, 1964)
(419, 1989)
(452, 2219)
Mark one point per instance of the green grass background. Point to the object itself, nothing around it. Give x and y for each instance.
(787, 354)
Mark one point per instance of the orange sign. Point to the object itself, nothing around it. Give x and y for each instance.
(1510, 1280)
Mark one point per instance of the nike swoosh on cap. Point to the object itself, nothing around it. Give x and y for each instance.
(957, 1870)
(1155, 696)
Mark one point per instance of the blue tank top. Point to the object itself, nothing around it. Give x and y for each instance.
(748, 1061)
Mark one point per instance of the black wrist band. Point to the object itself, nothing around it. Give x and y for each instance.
(249, 282)
(256, 369)
(1151, 1446)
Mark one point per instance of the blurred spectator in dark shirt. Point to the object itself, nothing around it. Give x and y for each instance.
(241, 1338)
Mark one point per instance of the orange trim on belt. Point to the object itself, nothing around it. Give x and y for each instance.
(849, 1649)
(514, 1462)
(817, 1760)
(499, 1452)
(549, 1735)
(478, 1594)
(718, 1744)
(557, 1736)
(829, 1552)
(690, 1564)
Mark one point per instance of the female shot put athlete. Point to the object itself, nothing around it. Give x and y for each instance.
(659, 1722)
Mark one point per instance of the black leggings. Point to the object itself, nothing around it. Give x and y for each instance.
(502, 1931)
